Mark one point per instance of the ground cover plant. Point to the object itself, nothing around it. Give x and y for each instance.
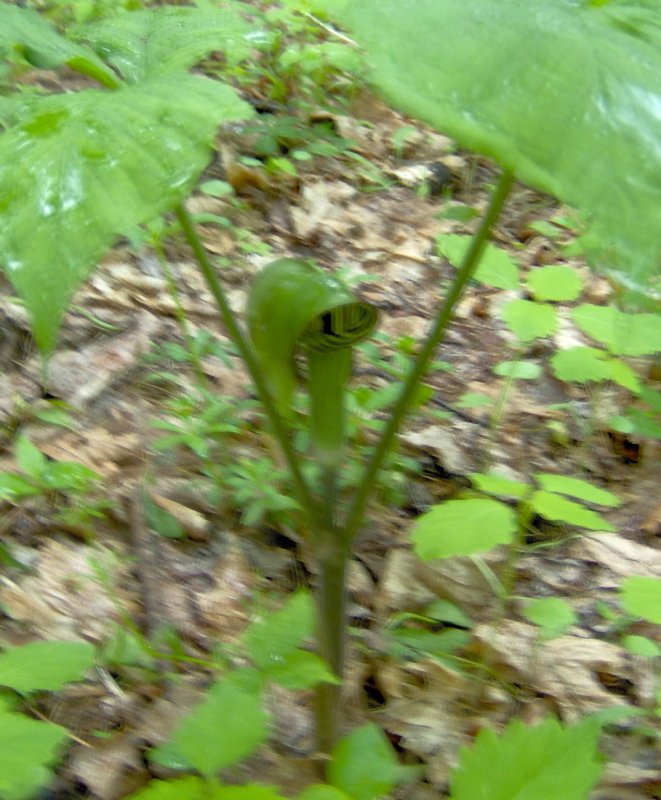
(96, 163)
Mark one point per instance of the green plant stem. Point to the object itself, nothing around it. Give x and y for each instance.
(466, 271)
(333, 560)
(328, 373)
(251, 362)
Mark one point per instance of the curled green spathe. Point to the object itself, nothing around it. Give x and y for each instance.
(295, 305)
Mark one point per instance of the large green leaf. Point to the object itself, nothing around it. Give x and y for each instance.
(157, 41)
(545, 762)
(565, 93)
(225, 728)
(45, 666)
(80, 170)
(41, 45)
(27, 748)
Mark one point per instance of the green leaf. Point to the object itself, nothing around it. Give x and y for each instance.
(153, 42)
(272, 637)
(624, 333)
(364, 765)
(474, 400)
(641, 596)
(192, 788)
(496, 268)
(27, 749)
(555, 283)
(575, 487)
(321, 791)
(45, 666)
(189, 788)
(520, 370)
(30, 459)
(581, 365)
(622, 374)
(410, 643)
(462, 528)
(42, 45)
(553, 614)
(15, 487)
(483, 87)
(529, 320)
(94, 165)
(446, 611)
(641, 646)
(301, 670)
(496, 484)
(559, 509)
(545, 762)
(160, 520)
(225, 728)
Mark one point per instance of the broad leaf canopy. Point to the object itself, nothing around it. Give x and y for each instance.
(565, 93)
(79, 170)
(158, 41)
(26, 32)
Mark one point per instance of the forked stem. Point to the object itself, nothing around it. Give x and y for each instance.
(333, 543)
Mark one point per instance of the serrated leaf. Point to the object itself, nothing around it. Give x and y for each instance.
(496, 484)
(462, 528)
(529, 320)
(301, 670)
(624, 333)
(93, 165)
(559, 509)
(496, 268)
(272, 637)
(45, 666)
(156, 41)
(27, 749)
(364, 765)
(622, 374)
(483, 88)
(641, 596)
(225, 728)
(553, 614)
(545, 762)
(575, 487)
(555, 283)
(44, 47)
(581, 365)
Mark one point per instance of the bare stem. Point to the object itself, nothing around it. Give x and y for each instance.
(421, 363)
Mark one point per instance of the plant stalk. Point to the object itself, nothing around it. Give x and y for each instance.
(333, 561)
(250, 360)
(421, 363)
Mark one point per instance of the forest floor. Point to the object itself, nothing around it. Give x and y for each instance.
(168, 553)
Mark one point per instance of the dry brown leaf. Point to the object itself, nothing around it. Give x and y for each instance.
(64, 598)
(572, 670)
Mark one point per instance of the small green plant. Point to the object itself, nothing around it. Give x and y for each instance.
(72, 489)
(473, 524)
